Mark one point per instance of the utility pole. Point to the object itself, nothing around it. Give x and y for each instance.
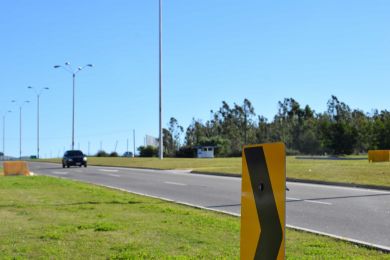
(69, 69)
(20, 125)
(161, 148)
(133, 143)
(4, 116)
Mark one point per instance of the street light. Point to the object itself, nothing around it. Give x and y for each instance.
(160, 78)
(69, 69)
(20, 125)
(5, 114)
(38, 93)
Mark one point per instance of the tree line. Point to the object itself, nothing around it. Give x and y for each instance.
(338, 130)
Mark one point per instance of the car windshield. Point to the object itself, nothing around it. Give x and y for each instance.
(75, 153)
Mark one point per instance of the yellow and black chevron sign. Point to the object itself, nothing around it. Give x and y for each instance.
(263, 201)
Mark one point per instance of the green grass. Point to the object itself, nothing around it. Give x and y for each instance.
(345, 171)
(43, 217)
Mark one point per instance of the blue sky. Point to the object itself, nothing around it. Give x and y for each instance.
(214, 50)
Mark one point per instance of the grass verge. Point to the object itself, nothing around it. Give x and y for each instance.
(351, 170)
(44, 217)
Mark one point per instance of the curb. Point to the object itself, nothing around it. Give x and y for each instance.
(235, 175)
(343, 184)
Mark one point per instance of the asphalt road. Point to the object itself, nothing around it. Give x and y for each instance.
(352, 213)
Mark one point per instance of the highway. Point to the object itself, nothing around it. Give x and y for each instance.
(361, 215)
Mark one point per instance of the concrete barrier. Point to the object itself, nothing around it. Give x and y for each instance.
(16, 168)
(379, 156)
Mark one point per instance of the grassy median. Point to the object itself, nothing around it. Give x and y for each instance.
(44, 217)
(354, 170)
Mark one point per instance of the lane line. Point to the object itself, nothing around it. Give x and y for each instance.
(106, 170)
(60, 173)
(175, 183)
(309, 201)
(318, 202)
(114, 175)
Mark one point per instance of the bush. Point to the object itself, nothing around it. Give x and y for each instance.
(102, 153)
(114, 154)
(148, 151)
(186, 152)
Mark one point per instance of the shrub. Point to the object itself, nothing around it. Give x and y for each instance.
(186, 152)
(148, 151)
(114, 154)
(102, 153)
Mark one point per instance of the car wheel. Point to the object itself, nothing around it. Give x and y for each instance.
(63, 165)
(85, 165)
(67, 165)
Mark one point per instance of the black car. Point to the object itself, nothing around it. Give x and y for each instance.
(74, 158)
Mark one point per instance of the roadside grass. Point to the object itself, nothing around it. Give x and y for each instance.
(45, 217)
(345, 170)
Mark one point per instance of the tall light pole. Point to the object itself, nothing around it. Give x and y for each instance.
(4, 116)
(160, 79)
(38, 93)
(20, 125)
(69, 69)
(133, 143)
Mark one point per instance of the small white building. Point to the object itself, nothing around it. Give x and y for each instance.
(205, 152)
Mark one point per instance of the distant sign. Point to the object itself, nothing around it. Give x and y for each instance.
(378, 155)
(263, 202)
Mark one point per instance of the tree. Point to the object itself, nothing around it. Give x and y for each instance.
(176, 131)
(102, 153)
(148, 151)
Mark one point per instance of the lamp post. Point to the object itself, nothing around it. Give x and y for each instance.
(4, 116)
(160, 79)
(20, 125)
(69, 69)
(38, 93)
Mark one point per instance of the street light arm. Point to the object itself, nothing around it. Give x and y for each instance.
(41, 90)
(65, 68)
(25, 102)
(6, 113)
(81, 68)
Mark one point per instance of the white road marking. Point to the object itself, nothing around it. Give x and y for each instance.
(175, 183)
(114, 175)
(314, 185)
(318, 202)
(289, 198)
(105, 170)
(63, 173)
(309, 201)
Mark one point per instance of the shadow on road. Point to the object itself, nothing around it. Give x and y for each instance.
(341, 197)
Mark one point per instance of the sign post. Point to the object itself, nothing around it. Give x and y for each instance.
(263, 200)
